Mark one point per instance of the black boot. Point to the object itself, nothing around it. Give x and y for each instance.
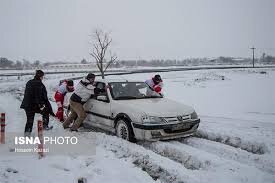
(73, 130)
(29, 123)
(27, 134)
(46, 126)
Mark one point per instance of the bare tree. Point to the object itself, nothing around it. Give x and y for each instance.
(101, 44)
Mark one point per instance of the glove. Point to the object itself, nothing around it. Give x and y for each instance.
(98, 90)
(157, 89)
(41, 107)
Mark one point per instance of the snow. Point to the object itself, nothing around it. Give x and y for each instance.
(235, 141)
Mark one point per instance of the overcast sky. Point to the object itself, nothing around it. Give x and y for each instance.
(55, 30)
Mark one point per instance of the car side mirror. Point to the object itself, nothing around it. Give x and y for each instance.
(102, 98)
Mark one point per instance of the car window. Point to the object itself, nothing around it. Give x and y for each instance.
(131, 90)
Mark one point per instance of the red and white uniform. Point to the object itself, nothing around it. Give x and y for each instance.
(59, 99)
(155, 87)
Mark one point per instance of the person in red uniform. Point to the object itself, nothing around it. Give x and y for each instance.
(65, 87)
(155, 83)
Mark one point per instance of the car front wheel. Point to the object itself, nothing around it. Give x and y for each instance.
(124, 130)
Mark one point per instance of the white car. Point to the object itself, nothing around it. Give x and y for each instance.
(132, 111)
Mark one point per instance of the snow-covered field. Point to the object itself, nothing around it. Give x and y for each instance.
(235, 141)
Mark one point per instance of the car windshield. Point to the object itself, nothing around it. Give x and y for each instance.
(131, 90)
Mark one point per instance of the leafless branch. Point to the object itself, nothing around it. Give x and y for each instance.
(101, 45)
(113, 59)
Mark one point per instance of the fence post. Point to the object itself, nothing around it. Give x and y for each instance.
(40, 136)
(2, 136)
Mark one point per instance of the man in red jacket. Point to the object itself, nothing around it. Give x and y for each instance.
(155, 83)
(64, 87)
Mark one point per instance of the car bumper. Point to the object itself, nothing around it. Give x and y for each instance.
(165, 131)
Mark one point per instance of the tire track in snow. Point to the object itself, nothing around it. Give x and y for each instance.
(231, 153)
(158, 167)
(209, 165)
(168, 150)
(197, 161)
(237, 142)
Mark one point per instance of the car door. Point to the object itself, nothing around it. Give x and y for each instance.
(101, 110)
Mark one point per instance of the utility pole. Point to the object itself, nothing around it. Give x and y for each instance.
(253, 48)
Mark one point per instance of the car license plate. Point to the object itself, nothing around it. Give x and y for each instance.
(181, 126)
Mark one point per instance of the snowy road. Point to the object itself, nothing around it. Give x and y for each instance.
(235, 141)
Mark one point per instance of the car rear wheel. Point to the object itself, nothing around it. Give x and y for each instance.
(124, 130)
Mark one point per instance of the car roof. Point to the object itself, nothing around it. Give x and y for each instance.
(115, 80)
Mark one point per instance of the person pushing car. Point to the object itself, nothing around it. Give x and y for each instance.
(155, 83)
(84, 90)
(65, 87)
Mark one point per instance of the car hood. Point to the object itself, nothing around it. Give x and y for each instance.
(160, 107)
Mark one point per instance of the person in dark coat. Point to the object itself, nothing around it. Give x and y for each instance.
(36, 101)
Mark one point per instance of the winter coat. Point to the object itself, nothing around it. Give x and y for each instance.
(83, 92)
(35, 97)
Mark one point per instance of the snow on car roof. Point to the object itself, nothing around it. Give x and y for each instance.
(115, 80)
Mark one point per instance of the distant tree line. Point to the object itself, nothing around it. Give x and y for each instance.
(6, 63)
(266, 59)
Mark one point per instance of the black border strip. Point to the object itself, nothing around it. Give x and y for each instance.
(159, 127)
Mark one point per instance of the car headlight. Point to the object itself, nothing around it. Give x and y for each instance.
(152, 120)
(194, 115)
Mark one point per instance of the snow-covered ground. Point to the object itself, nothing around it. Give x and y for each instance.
(235, 141)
